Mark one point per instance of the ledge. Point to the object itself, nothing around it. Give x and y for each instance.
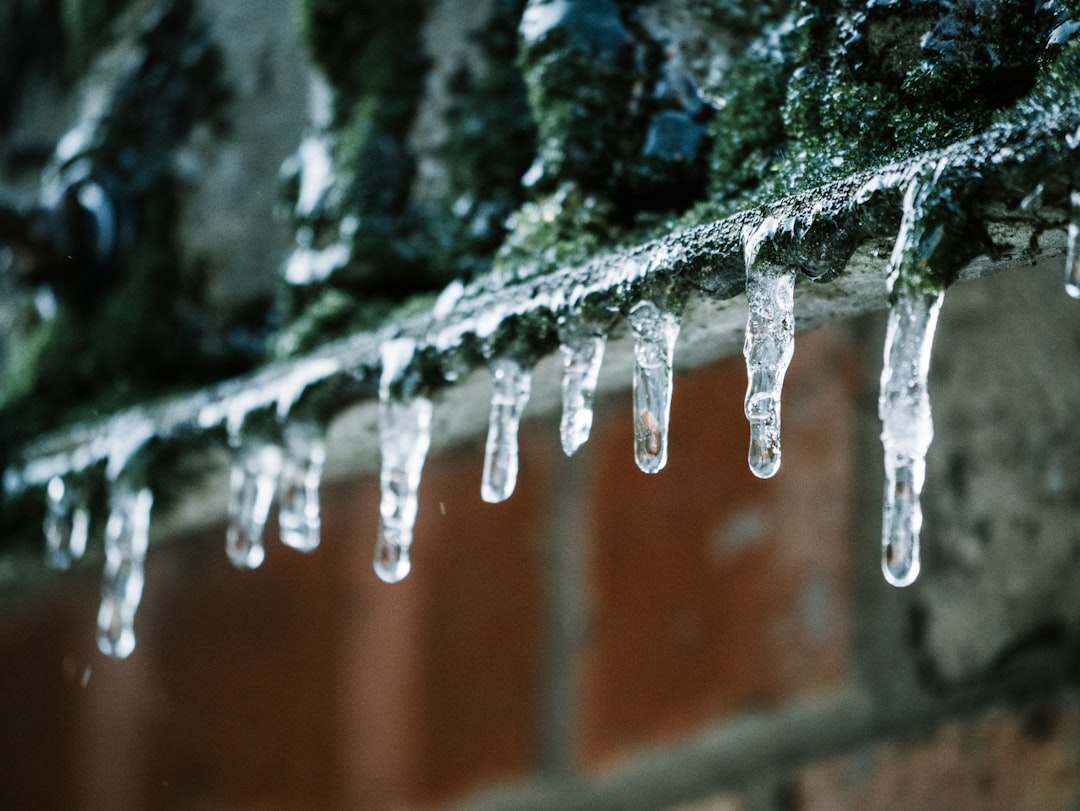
(843, 231)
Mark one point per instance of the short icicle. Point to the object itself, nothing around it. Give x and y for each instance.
(1072, 251)
(67, 522)
(511, 384)
(126, 537)
(655, 332)
(252, 483)
(907, 428)
(299, 516)
(583, 352)
(404, 439)
(768, 348)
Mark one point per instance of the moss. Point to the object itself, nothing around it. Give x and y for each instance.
(840, 87)
(942, 235)
(84, 22)
(22, 56)
(748, 129)
(491, 142)
(559, 230)
(331, 314)
(119, 334)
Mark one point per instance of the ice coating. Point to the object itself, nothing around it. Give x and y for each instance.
(67, 522)
(655, 331)
(126, 537)
(253, 481)
(583, 353)
(404, 439)
(1072, 250)
(511, 384)
(768, 347)
(906, 427)
(299, 516)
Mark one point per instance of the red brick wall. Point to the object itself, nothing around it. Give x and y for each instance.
(696, 639)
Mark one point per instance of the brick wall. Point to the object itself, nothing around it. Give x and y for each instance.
(696, 640)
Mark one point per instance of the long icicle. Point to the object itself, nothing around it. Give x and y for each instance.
(299, 517)
(512, 385)
(768, 348)
(655, 332)
(126, 539)
(67, 522)
(1072, 251)
(253, 482)
(907, 427)
(583, 353)
(404, 439)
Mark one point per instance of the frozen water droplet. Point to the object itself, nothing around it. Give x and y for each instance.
(655, 331)
(583, 352)
(512, 385)
(67, 521)
(299, 518)
(907, 427)
(1034, 200)
(126, 536)
(447, 300)
(252, 484)
(768, 347)
(392, 562)
(1072, 251)
(404, 439)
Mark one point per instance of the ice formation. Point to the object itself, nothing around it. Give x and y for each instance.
(1072, 251)
(906, 428)
(511, 384)
(67, 522)
(126, 537)
(252, 484)
(404, 439)
(299, 517)
(768, 347)
(904, 401)
(655, 332)
(583, 352)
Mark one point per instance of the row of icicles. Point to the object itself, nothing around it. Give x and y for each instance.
(290, 471)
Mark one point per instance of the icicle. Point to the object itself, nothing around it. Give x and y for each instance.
(252, 483)
(907, 428)
(583, 352)
(512, 385)
(1072, 251)
(768, 347)
(126, 536)
(67, 521)
(404, 439)
(655, 331)
(301, 473)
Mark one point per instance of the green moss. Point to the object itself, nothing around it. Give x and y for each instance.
(83, 23)
(121, 332)
(852, 86)
(559, 230)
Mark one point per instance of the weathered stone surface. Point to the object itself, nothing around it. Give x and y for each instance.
(1002, 501)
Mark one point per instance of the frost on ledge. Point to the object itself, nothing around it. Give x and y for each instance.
(840, 233)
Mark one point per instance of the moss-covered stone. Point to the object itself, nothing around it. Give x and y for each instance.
(398, 246)
(862, 85)
(124, 330)
(559, 230)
